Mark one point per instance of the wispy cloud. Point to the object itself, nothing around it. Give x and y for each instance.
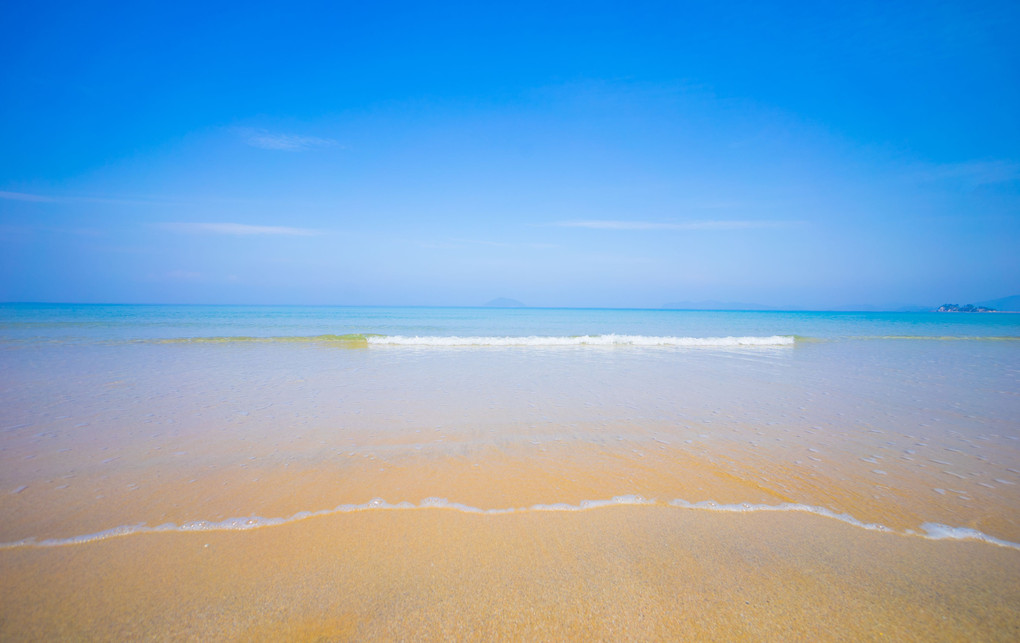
(175, 276)
(458, 242)
(501, 244)
(237, 229)
(664, 225)
(183, 275)
(267, 140)
(142, 200)
(22, 230)
(22, 196)
(60, 198)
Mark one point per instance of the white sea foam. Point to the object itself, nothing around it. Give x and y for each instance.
(931, 531)
(938, 531)
(582, 340)
(786, 506)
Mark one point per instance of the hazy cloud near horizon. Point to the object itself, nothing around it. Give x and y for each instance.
(686, 225)
(285, 142)
(236, 229)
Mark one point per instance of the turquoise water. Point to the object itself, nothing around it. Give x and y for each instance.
(84, 323)
(115, 417)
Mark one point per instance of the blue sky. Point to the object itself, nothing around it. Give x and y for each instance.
(586, 154)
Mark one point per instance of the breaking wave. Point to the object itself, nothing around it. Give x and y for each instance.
(930, 531)
(581, 340)
(533, 340)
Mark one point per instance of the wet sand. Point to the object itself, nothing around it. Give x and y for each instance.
(106, 437)
(613, 573)
(497, 477)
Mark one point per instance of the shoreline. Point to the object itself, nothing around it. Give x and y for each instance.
(232, 491)
(927, 531)
(622, 572)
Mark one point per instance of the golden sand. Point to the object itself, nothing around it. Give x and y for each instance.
(249, 436)
(500, 477)
(613, 573)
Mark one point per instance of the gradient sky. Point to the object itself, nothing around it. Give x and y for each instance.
(584, 154)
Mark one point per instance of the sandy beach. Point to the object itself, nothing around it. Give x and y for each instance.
(601, 321)
(614, 573)
(860, 489)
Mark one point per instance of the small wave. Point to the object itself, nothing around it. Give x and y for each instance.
(581, 340)
(938, 531)
(354, 338)
(944, 338)
(929, 530)
(368, 339)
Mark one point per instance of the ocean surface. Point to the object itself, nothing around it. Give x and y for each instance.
(93, 322)
(121, 420)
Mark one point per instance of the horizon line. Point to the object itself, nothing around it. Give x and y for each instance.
(876, 309)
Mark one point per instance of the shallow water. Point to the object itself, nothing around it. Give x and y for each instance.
(894, 424)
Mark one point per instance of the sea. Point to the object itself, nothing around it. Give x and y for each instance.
(325, 430)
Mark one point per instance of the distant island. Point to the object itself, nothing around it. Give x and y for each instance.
(969, 308)
(1003, 304)
(504, 302)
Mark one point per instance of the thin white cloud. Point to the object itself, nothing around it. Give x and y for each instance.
(22, 196)
(461, 243)
(679, 226)
(183, 275)
(175, 275)
(237, 229)
(48, 198)
(266, 140)
(32, 229)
